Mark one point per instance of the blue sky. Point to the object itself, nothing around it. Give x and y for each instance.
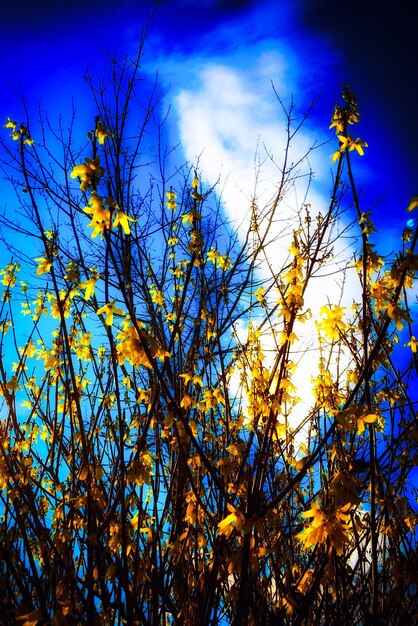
(216, 61)
(304, 46)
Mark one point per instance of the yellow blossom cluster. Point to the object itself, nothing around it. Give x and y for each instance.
(326, 526)
(103, 211)
(348, 114)
(9, 274)
(220, 260)
(89, 173)
(171, 200)
(135, 345)
(19, 132)
(291, 287)
(356, 417)
(332, 323)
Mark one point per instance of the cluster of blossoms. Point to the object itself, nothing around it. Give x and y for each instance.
(349, 114)
(19, 132)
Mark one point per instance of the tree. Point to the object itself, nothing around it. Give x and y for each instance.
(152, 467)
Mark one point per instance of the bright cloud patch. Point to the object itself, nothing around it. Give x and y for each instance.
(232, 124)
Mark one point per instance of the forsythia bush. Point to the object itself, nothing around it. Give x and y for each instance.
(156, 465)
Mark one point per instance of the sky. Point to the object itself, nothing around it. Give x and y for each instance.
(216, 62)
(208, 54)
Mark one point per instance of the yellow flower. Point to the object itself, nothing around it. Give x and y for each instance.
(347, 142)
(259, 294)
(131, 346)
(110, 310)
(157, 297)
(13, 384)
(122, 220)
(88, 286)
(398, 315)
(332, 323)
(186, 402)
(413, 344)
(101, 133)
(100, 216)
(10, 124)
(212, 255)
(19, 131)
(89, 173)
(413, 204)
(171, 196)
(344, 141)
(326, 525)
(368, 418)
(9, 277)
(337, 120)
(223, 262)
(235, 520)
(44, 266)
(358, 145)
(196, 195)
(190, 217)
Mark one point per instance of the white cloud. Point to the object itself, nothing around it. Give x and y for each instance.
(231, 122)
(228, 116)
